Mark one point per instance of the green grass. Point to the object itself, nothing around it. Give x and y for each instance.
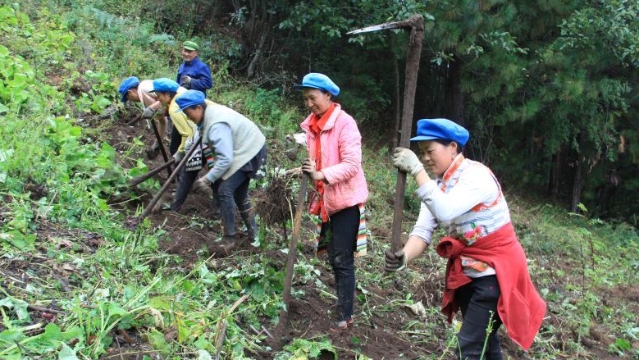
(55, 186)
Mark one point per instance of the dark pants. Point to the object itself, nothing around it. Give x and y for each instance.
(343, 227)
(176, 140)
(229, 193)
(187, 178)
(478, 303)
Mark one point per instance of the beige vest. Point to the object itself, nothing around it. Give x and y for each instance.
(248, 140)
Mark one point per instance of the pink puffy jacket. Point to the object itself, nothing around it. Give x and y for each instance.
(341, 161)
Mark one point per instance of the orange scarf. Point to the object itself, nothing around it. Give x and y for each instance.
(316, 125)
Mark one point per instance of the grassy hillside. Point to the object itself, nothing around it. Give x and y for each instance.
(78, 284)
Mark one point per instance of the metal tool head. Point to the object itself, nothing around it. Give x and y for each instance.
(298, 138)
(385, 26)
(414, 21)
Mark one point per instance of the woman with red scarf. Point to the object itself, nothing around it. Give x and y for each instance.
(487, 275)
(335, 167)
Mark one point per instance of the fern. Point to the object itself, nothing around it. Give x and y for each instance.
(165, 39)
(106, 19)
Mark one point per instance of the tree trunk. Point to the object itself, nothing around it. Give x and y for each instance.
(577, 184)
(456, 97)
(553, 183)
(256, 56)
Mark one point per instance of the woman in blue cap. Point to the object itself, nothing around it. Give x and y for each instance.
(335, 165)
(165, 91)
(487, 274)
(182, 132)
(240, 152)
(132, 89)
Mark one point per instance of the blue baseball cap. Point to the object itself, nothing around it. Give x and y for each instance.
(318, 81)
(189, 98)
(443, 129)
(165, 85)
(126, 85)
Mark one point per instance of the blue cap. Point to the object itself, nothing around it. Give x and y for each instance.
(165, 85)
(443, 129)
(189, 98)
(126, 85)
(318, 81)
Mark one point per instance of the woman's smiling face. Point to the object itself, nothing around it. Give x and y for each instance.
(436, 156)
(316, 100)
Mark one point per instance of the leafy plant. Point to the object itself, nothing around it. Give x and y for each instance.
(305, 349)
(59, 65)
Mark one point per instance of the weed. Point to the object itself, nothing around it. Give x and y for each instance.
(301, 348)
(58, 173)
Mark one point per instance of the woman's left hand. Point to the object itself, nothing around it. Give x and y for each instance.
(309, 167)
(406, 160)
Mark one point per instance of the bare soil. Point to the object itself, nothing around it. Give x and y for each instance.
(309, 317)
(384, 334)
(381, 334)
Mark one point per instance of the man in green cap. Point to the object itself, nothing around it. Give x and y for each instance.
(193, 73)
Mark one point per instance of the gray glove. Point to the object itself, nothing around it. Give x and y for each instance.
(406, 160)
(178, 156)
(202, 185)
(189, 144)
(185, 80)
(148, 113)
(395, 261)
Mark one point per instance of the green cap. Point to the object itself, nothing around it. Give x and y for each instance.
(190, 45)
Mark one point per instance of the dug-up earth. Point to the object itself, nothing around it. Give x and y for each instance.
(382, 334)
(378, 337)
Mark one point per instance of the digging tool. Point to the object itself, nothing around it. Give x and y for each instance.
(290, 262)
(160, 143)
(220, 327)
(292, 256)
(142, 178)
(416, 25)
(158, 139)
(135, 119)
(134, 222)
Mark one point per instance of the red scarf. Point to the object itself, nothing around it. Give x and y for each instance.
(316, 124)
(520, 307)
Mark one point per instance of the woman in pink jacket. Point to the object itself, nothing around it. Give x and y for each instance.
(335, 167)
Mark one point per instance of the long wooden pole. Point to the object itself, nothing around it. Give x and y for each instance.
(144, 177)
(160, 143)
(173, 175)
(410, 86)
(292, 256)
(416, 25)
(135, 119)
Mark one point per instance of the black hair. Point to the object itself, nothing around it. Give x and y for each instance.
(171, 94)
(446, 142)
(202, 104)
(322, 90)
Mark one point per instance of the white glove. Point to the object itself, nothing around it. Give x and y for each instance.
(202, 185)
(298, 138)
(178, 156)
(148, 113)
(406, 160)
